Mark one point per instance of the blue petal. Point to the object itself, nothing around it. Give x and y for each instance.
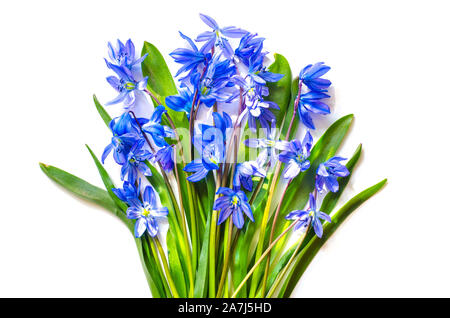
(139, 228)
(238, 218)
(209, 21)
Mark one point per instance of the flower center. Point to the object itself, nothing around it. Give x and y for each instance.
(146, 212)
(130, 86)
(205, 90)
(235, 200)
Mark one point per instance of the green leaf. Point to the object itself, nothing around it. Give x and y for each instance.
(149, 265)
(280, 92)
(307, 254)
(201, 278)
(331, 199)
(91, 193)
(175, 265)
(103, 114)
(84, 190)
(107, 180)
(160, 81)
(300, 187)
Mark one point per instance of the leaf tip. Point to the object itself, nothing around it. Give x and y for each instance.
(43, 166)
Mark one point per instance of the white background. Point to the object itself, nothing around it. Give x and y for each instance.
(390, 66)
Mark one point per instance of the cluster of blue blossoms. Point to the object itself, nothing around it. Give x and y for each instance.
(210, 75)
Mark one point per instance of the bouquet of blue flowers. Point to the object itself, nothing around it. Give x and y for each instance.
(248, 204)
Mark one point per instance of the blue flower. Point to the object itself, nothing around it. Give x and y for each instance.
(310, 216)
(190, 58)
(311, 74)
(125, 134)
(146, 213)
(233, 202)
(124, 55)
(182, 102)
(128, 192)
(311, 103)
(210, 144)
(154, 128)
(214, 85)
(296, 158)
(165, 157)
(246, 170)
(259, 109)
(136, 162)
(250, 47)
(125, 84)
(216, 36)
(259, 73)
(328, 172)
(269, 144)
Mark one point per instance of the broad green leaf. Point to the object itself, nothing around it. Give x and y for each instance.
(331, 199)
(107, 180)
(280, 92)
(98, 196)
(300, 187)
(307, 254)
(80, 187)
(160, 81)
(102, 112)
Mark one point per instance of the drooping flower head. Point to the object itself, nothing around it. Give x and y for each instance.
(311, 102)
(136, 162)
(181, 102)
(250, 47)
(128, 192)
(233, 203)
(165, 157)
(310, 216)
(328, 172)
(246, 170)
(154, 128)
(296, 157)
(124, 54)
(311, 76)
(146, 213)
(211, 145)
(259, 73)
(191, 59)
(125, 134)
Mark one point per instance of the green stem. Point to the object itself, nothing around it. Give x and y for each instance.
(146, 243)
(266, 271)
(283, 272)
(227, 243)
(166, 267)
(187, 248)
(261, 259)
(212, 248)
(260, 246)
(194, 234)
